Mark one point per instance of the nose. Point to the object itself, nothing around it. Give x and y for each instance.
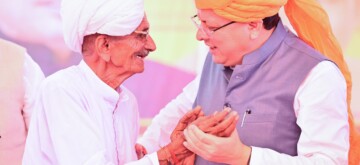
(150, 44)
(201, 35)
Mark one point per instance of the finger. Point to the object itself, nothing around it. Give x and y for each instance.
(140, 151)
(190, 160)
(198, 142)
(191, 142)
(191, 115)
(184, 155)
(188, 118)
(200, 120)
(208, 122)
(225, 124)
(227, 132)
(201, 114)
(220, 116)
(199, 137)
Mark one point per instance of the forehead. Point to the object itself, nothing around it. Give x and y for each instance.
(210, 17)
(144, 25)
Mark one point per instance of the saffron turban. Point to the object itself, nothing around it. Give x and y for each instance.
(310, 22)
(111, 17)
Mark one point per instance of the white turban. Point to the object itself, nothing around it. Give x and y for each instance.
(111, 17)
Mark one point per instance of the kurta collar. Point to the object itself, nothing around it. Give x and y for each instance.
(103, 91)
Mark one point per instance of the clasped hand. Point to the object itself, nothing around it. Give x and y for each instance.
(220, 124)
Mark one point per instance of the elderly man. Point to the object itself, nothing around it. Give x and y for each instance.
(291, 98)
(83, 113)
(20, 78)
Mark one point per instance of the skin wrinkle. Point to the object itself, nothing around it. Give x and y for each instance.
(115, 58)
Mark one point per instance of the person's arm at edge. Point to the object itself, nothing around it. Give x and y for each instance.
(325, 130)
(158, 133)
(33, 76)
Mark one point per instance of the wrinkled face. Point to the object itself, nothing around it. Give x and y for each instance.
(127, 53)
(228, 44)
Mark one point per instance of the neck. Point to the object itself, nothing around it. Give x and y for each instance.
(107, 72)
(256, 43)
(114, 80)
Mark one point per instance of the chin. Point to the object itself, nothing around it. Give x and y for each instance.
(218, 60)
(139, 70)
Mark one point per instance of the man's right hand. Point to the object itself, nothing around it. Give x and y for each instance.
(140, 151)
(175, 152)
(220, 124)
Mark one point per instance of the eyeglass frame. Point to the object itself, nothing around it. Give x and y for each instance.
(213, 30)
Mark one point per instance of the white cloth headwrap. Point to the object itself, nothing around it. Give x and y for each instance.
(111, 17)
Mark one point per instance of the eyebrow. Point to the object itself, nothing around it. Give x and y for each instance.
(145, 29)
(202, 21)
(205, 22)
(210, 25)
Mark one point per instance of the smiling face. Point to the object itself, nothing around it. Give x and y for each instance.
(116, 58)
(127, 53)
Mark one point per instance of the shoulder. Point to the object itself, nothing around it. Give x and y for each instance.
(10, 45)
(66, 80)
(329, 73)
(298, 46)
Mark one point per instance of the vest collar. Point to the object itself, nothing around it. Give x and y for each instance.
(268, 47)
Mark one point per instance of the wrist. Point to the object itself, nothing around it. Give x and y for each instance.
(243, 157)
(166, 155)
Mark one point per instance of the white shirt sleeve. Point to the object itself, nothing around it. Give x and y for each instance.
(99, 159)
(158, 133)
(149, 159)
(33, 76)
(321, 111)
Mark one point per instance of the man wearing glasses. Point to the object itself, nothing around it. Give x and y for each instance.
(291, 99)
(83, 114)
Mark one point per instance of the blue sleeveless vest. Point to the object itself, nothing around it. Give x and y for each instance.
(264, 87)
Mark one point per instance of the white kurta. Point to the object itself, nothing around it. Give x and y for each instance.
(321, 111)
(33, 76)
(78, 119)
(18, 89)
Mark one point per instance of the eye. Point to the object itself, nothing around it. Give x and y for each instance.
(212, 28)
(142, 36)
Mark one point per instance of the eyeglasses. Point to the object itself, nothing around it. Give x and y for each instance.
(195, 19)
(142, 34)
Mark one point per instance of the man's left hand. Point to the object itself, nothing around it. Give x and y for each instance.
(215, 148)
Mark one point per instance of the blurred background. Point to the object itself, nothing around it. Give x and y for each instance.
(36, 25)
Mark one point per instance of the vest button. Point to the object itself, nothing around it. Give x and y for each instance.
(227, 105)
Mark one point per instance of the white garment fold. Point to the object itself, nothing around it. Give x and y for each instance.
(78, 119)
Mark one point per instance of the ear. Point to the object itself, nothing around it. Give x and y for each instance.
(102, 47)
(255, 28)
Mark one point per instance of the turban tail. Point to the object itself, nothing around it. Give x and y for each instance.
(310, 22)
(111, 17)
